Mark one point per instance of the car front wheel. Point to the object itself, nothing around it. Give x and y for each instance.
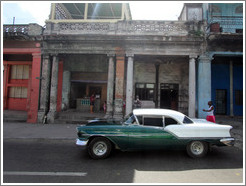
(99, 148)
(197, 149)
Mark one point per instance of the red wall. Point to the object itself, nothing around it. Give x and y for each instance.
(31, 103)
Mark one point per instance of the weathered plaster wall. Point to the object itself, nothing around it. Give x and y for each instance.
(89, 69)
(172, 73)
(86, 63)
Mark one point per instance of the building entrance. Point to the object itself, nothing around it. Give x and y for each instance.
(220, 103)
(169, 96)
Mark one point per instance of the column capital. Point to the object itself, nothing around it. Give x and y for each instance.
(192, 56)
(36, 55)
(111, 54)
(206, 58)
(54, 54)
(129, 54)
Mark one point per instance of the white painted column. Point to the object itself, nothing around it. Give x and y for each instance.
(110, 87)
(192, 88)
(129, 85)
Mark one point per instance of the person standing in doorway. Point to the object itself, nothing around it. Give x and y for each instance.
(105, 106)
(210, 112)
(137, 102)
(92, 102)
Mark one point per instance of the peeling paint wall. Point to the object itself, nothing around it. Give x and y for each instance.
(171, 73)
(80, 73)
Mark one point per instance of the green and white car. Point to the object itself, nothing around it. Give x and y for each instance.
(153, 129)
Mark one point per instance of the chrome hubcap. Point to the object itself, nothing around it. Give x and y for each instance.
(197, 148)
(100, 148)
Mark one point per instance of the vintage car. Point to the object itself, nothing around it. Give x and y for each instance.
(150, 129)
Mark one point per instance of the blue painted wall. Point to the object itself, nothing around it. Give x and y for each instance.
(221, 80)
(238, 85)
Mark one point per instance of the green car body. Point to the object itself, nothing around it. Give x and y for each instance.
(128, 135)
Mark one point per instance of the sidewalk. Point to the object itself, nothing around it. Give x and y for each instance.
(68, 131)
(39, 131)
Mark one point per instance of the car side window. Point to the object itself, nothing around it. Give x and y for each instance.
(140, 120)
(170, 121)
(153, 121)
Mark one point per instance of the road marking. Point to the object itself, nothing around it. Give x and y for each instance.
(20, 173)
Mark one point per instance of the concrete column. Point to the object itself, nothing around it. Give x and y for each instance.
(66, 86)
(110, 86)
(129, 85)
(53, 90)
(157, 67)
(192, 88)
(119, 86)
(45, 87)
(231, 89)
(204, 84)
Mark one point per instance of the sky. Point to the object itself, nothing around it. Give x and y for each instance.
(24, 12)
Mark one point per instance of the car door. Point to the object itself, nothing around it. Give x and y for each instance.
(148, 133)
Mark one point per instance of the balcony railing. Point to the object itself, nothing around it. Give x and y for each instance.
(230, 24)
(163, 28)
(16, 29)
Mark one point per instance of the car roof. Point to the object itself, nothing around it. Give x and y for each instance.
(160, 112)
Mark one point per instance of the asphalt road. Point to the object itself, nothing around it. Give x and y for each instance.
(60, 161)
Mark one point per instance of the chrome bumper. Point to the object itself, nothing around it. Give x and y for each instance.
(81, 142)
(228, 141)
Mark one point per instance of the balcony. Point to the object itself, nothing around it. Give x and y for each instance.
(226, 24)
(125, 28)
(22, 31)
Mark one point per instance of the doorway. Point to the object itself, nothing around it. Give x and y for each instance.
(220, 103)
(169, 96)
(97, 90)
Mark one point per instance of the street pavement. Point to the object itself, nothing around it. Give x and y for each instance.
(68, 131)
(31, 160)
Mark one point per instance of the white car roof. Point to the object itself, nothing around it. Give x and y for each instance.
(161, 112)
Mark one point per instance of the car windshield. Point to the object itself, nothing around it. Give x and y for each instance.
(129, 119)
(187, 120)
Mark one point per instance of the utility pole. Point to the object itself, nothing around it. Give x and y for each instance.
(13, 20)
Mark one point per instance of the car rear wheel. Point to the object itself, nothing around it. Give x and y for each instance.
(197, 149)
(99, 148)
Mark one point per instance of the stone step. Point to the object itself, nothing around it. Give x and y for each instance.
(14, 116)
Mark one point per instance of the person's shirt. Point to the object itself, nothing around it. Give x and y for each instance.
(211, 112)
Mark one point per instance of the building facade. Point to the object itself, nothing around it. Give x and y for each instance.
(22, 62)
(97, 48)
(118, 59)
(220, 66)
